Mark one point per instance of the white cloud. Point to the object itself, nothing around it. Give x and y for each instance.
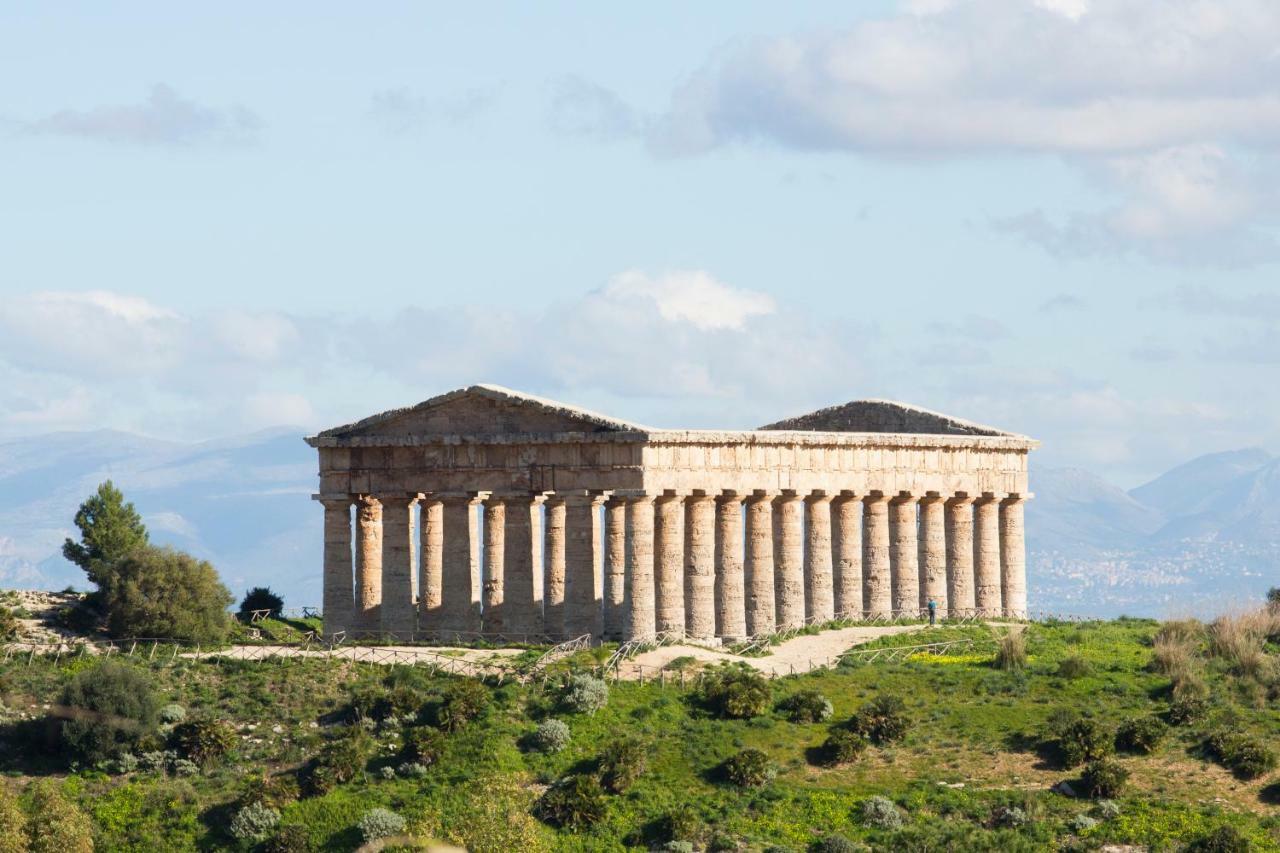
(165, 118)
(269, 408)
(400, 110)
(582, 108)
(692, 296)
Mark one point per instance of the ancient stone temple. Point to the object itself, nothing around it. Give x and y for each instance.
(485, 511)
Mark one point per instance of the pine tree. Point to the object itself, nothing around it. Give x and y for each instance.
(109, 530)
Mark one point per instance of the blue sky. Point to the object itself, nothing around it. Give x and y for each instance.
(1058, 216)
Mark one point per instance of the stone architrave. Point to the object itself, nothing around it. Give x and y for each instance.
(1013, 558)
(876, 573)
(759, 585)
(669, 564)
(339, 601)
(700, 567)
(640, 623)
(959, 517)
(431, 563)
(615, 569)
(818, 592)
(788, 560)
(731, 619)
(986, 556)
(523, 600)
(846, 557)
(904, 553)
(460, 567)
(399, 616)
(583, 595)
(368, 616)
(555, 571)
(933, 553)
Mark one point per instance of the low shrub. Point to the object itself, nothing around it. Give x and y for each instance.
(253, 822)
(836, 844)
(172, 714)
(681, 826)
(110, 710)
(882, 720)
(13, 822)
(1104, 777)
(843, 746)
(1073, 666)
(1188, 707)
(463, 701)
(184, 767)
(1108, 809)
(1009, 817)
(1141, 735)
(1246, 756)
(380, 823)
(9, 625)
(288, 838)
(621, 763)
(274, 792)
(1011, 652)
(1083, 739)
(423, 745)
(56, 824)
(807, 706)
(1224, 839)
(750, 768)
(204, 740)
(1082, 823)
(585, 694)
(339, 761)
(735, 691)
(412, 770)
(550, 736)
(880, 813)
(574, 802)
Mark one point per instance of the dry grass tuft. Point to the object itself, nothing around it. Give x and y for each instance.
(1011, 653)
(1239, 639)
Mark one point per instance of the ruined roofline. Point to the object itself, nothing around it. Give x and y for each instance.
(860, 412)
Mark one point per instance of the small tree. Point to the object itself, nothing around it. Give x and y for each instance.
(261, 598)
(109, 529)
(57, 825)
(1273, 596)
(164, 593)
(109, 709)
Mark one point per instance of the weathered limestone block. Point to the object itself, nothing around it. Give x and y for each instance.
(761, 615)
(459, 567)
(368, 616)
(904, 552)
(615, 569)
(495, 566)
(640, 622)
(399, 617)
(986, 556)
(583, 595)
(819, 598)
(554, 614)
(669, 563)
(876, 573)
(1013, 558)
(788, 560)
(731, 620)
(700, 567)
(431, 565)
(339, 601)
(846, 544)
(933, 554)
(523, 560)
(959, 514)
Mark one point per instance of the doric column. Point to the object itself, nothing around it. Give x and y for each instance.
(959, 515)
(640, 622)
(761, 616)
(1013, 557)
(582, 588)
(368, 565)
(615, 568)
(876, 574)
(700, 566)
(731, 619)
(933, 553)
(495, 566)
(523, 566)
(846, 556)
(398, 618)
(339, 603)
(788, 560)
(818, 596)
(904, 565)
(668, 568)
(555, 573)
(986, 555)
(459, 565)
(431, 562)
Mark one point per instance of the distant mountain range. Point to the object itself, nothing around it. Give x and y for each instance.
(1200, 537)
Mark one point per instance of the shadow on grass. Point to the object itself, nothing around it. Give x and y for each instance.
(1047, 752)
(1270, 794)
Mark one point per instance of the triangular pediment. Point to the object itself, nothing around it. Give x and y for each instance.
(482, 410)
(883, 416)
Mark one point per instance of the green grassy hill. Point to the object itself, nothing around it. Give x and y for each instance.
(974, 770)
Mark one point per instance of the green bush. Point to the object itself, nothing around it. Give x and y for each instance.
(843, 746)
(261, 598)
(13, 823)
(1104, 777)
(575, 802)
(1142, 735)
(274, 792)
(1247, 756)
(882, 721)
(380, 823)
(1073, 666)
(110, 708)
(807, 706)
(1224, 839)
(166, 594)
(836, 844)
(288, 838)
(1188, 708)
(750, 768)
(880, 813)
(1083, 739)
(172, 714)
(621, 763)
(9, 625)
(423, 745)
(550, 736)
(463, 701)
(1082, 823)
(56, 824)
(735, 691)
(585, 694)
(339, 761)
(203, 740)
(1009, 817)
(253, 822)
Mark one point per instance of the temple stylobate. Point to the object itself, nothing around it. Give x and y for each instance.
(488, 512)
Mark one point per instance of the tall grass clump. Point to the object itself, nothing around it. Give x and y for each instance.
(1011, 652)
(1239, 638)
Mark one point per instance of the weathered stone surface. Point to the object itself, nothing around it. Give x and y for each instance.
(904, 554)
(788, 561)
(554, 521)
(583, 590)
(731, 619)
(431, 564)
(759, 584)
(339, 601)
(669, 563)
(460, 567)
(959, 517)
(1013, 558)
(846, 543)
(986, 556)
(615, 568)
(639, 579)
(398, 616)
(368, 617)
(700, 567)
(818, 591)
(876, 572)
(522, 551)
(495, 566)
(933, 554)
